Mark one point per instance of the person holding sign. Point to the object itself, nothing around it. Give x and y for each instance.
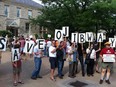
(52, 59)
(92, 57)
(38, 61)
(108, 57)
(16, 63)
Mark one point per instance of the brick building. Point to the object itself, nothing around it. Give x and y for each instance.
(15, 14)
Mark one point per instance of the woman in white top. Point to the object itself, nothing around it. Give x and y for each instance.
(90, 66)
(52, 59)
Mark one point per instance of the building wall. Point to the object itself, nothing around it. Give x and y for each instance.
(13, 15)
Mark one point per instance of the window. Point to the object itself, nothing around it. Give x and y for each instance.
(6, 10)
(29, 13)
(27, 26)
(18, 12)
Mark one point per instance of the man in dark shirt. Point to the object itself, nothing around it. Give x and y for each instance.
(80, 52)
(60, 55)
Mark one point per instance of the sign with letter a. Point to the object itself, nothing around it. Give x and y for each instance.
(15, 55)
(58, 35)
(100, 37)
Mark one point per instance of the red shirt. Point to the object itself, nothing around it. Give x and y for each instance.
(107, 51)
(18, 63)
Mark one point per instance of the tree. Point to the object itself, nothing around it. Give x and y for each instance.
(79, 15)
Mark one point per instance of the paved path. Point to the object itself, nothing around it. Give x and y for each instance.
(6, 75)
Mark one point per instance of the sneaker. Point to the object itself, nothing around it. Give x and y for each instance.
(101, 81)
(108, 82)
(39, 77)
(33, 78)
(61, 77)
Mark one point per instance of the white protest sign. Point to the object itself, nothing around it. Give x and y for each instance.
(28, 48)
(65, 30)
(74, 37)
(112, 41)
(82, 37)
(49, 35)
(58, 35)
(109, 58)
(3, 44)
(100, 37)
(41, 44)
(89, 36)
(15, 54)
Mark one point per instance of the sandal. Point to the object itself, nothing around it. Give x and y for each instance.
(53, 79)
(20, 82)
(15, 84)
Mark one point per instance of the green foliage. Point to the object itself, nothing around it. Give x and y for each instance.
(79, 15)
(5, 32)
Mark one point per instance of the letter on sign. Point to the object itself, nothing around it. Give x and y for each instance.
(82, 38)
(15, 54)
(100, 37)
(2, 44)
(58, 35)
(74, 37)
(112, 41)
(41, 44)
(89, 36)
(65, 30)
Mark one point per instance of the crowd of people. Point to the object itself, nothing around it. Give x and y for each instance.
(60, 51)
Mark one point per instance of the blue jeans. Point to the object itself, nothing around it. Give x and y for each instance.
(38, 63)
(60, 67)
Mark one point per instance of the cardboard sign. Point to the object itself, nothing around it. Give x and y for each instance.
(100, 37)
(82, 38)
(15, 55)
(58, 35)
(109, 58)
(65, 30)
(41, 44)
(28, 48)
(74, 37)
(3, 44)
(112, 41)
(89, 36)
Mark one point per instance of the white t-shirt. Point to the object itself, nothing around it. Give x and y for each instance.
(49, 43)
(51, 48)
(93, 53)
(37, 50)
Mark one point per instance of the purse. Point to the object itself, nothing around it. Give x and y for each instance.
(87, 60)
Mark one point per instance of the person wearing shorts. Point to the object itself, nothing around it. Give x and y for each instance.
(52, 59)
(106, 66)
(17, 68)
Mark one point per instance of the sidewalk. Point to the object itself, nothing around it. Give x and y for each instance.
(6, 75)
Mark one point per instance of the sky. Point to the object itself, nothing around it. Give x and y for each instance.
(38, 1)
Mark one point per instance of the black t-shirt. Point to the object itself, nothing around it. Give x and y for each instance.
(97, 53)
(60, 54)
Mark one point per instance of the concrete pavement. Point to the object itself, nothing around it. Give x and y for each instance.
(6, 75)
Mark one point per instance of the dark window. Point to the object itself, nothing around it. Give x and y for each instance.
(27, 26)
